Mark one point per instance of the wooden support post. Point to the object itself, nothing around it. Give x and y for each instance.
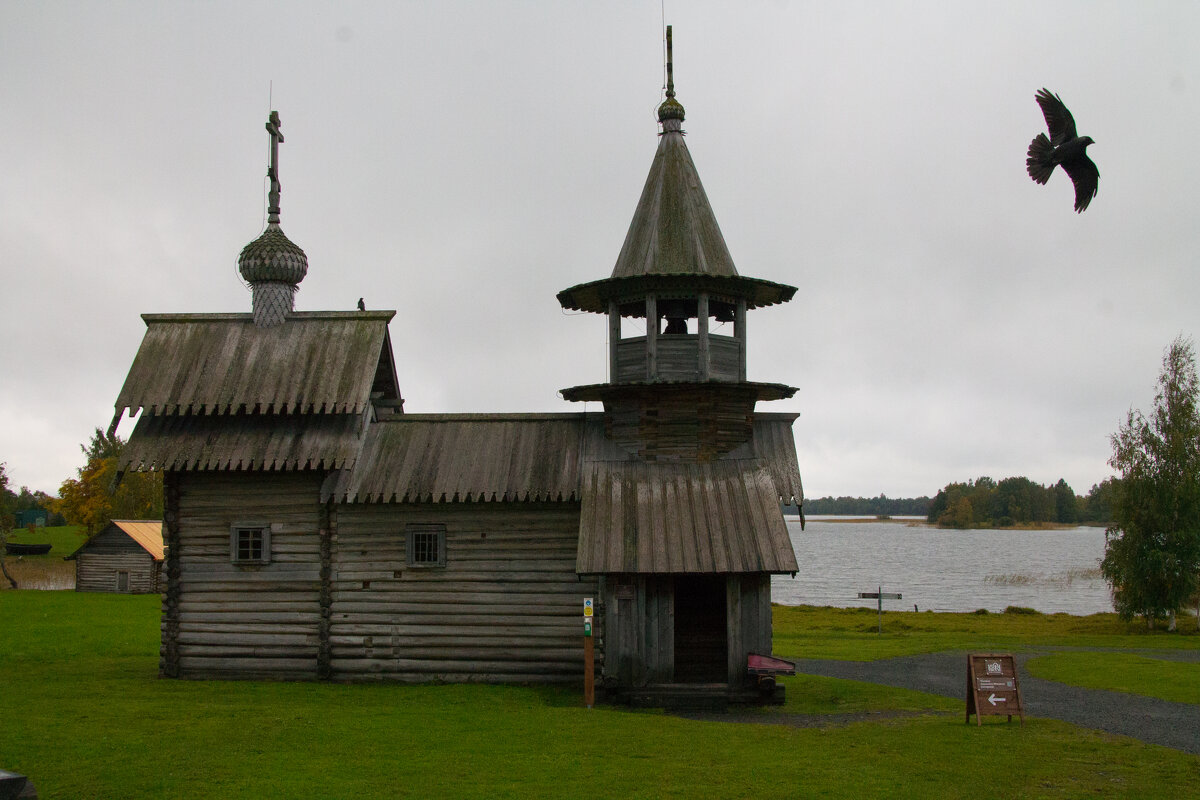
(651, 338)
(704, 367)
(739, 333)
(589, 654)
(589, 672)
(614, 339)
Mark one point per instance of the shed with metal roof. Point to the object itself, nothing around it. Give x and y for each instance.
(125, 556)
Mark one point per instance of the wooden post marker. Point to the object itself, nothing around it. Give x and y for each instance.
(880, 595)
(589, 655)
(993, 687)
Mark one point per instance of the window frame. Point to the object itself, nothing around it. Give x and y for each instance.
(263, 529)
(414, 529)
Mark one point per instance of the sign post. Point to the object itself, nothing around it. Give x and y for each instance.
(880, 595)
(993, 687)
(589, 655)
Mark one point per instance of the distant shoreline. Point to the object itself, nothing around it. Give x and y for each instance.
(920, 522)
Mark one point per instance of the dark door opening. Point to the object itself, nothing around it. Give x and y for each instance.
(701, 641)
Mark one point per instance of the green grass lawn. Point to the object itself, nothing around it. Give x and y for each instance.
(85, 716)
(1176, 681)
(851, 633)
(65, 539)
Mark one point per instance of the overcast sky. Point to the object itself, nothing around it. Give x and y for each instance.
(463, 162)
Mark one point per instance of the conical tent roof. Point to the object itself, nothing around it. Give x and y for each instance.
(674, 230)
(674, 241)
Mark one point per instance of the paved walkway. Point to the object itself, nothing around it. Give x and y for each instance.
(1151, 720)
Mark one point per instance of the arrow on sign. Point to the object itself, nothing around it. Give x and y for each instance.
(993, 699)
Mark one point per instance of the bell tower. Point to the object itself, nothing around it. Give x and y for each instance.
(680, 391)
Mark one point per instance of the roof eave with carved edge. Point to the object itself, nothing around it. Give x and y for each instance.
(607, 391)
(595, 296)
(317, 362)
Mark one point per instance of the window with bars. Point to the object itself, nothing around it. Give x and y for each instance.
(250, 543)
(426, 545)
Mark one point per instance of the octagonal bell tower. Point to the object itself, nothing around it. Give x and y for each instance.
(679, 392)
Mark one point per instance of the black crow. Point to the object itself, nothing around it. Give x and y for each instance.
(1064, 147)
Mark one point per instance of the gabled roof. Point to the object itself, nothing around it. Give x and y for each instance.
(471, 458)
(325, 362)
(446, 458)
(147, 533)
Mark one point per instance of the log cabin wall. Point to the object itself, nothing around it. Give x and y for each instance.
(640, 616)
(506, 607)
(639, 630)
(111, 552)
(251, 620)
(748, 606)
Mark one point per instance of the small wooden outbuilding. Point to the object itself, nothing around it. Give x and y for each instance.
(126, 557)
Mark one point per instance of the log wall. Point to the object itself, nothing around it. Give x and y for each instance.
(244, 621)
(748, 606)
(110, 552)
(97, 572)
(506, 607)
(639, 627)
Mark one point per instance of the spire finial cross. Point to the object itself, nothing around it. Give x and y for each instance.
(670, 67)
(273, 168)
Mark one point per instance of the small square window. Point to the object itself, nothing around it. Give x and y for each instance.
(426, 545)
(250, 543)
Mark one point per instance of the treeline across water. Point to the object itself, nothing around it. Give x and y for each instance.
(982, 503)
(985, 503)
(882, 506)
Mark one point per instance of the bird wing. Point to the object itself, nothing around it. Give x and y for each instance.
(1058, 118)
(1086, 178)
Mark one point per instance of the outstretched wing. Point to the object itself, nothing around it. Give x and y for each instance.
(1058, 118)
(1086, 178)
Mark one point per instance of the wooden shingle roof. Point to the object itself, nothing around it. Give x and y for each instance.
(673, 242)
(242, 441)
(314, 363)
(445, 458)
(717, 517)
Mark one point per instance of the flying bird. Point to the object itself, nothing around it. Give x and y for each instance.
(1064, 147)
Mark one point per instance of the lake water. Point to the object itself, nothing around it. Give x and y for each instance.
(944, 570)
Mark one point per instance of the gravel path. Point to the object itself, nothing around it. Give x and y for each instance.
(1151, 720)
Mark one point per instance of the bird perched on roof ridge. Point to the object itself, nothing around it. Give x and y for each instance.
(1065, 147)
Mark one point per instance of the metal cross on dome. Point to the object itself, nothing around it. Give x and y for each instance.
(273, 168)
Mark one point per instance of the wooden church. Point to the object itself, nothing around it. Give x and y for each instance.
(314, 530)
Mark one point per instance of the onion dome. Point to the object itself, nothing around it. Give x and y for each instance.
(273, 264)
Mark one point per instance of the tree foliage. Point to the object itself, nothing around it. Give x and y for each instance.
(1152, 554)
(94, 497)
(984, 503)
(6, 520)
(869, 506)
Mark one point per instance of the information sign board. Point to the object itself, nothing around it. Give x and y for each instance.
(993, 686)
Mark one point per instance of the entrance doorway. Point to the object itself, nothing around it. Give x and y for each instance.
(701, 639)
